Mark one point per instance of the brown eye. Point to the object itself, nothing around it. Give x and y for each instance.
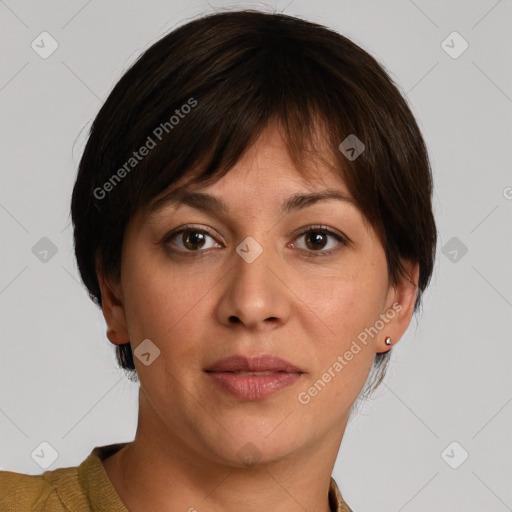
(316, 240)
(193, 240)
(189, 240)
(320, 241)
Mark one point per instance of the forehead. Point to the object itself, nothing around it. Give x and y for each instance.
(264, 170)
(212, 203)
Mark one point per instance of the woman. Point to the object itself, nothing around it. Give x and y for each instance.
(253, 214)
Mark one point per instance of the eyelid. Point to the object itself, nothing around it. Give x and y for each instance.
(322, 227)
(341, 238)
(188, 227)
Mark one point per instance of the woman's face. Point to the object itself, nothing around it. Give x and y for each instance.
(250, 281)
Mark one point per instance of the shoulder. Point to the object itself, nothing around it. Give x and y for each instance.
(27, 493)
(23, 492)
(336, 501)
(78, 488)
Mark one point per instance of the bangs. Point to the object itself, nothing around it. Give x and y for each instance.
(227, 120)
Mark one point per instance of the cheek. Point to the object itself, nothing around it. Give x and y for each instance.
(165, 306)
(348, 302)
(342, 360)
(348, 306)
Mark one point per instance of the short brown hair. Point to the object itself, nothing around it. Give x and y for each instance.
(237, 71)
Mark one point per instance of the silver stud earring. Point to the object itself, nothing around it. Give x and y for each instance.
(387, 341)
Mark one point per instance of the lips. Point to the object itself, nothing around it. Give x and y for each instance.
(253, 378)
(254, 364)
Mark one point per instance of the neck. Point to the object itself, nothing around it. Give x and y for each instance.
(160, 471)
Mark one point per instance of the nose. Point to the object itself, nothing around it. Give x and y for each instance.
(255, 295)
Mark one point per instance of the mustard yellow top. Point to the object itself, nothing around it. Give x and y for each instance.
(83, 488)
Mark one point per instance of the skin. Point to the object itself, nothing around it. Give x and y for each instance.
(304, 309)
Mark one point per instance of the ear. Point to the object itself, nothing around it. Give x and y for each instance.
(113, 310)
(399, 306)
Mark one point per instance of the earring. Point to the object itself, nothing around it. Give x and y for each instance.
(387, 341)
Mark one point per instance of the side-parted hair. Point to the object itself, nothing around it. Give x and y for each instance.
(199, 97)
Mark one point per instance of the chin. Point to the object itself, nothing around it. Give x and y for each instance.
(251, 446)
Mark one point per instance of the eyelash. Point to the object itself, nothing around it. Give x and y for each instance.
(192, 228)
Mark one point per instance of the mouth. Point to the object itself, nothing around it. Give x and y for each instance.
(253, 364)
(244, 374)
(253, 378)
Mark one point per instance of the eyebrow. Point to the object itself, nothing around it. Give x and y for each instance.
(210, 203)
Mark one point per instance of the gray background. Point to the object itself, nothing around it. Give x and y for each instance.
(450, 377)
